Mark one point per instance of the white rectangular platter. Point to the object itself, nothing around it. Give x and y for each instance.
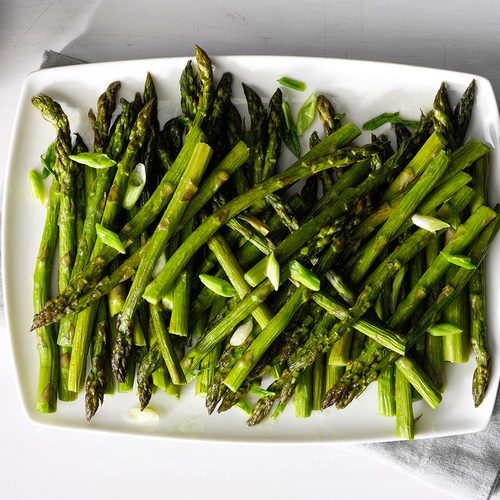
(358, 88)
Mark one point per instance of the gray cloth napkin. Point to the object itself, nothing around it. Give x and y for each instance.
(467, 466)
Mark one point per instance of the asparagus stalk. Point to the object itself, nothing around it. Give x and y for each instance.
(442, 118)
(209, 364)
(189, 92)
(462, 113)
(318, 382)
(456, 347)
(258, 347)
(206, 84)
(179, 320)
(303, 398)
(232, 268)
(419, 380)
(405, 424)
(166, 347)
(258, 133)
(48, 375)
(477, 301)
(185, 191)
(387, 392)
(96, 379)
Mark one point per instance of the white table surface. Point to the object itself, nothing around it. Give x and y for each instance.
(52, 464)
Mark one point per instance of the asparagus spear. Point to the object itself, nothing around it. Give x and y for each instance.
(258, 132)
(434, 363)
(456, 347)
(189, 92)
(405, 423)
(184, 192)
(257, 348)
(462, 113)
(477, 301)
(66, 173)
(165, 345)
(304, 394)
(179, 320)
(387, 392)
(214, 121)
(94, 385)
(442, 118)
(206, 84)
(48, 376)
(318, 369)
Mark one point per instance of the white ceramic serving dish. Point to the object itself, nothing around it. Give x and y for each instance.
(362, 90)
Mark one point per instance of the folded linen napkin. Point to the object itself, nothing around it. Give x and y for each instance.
(467, 466)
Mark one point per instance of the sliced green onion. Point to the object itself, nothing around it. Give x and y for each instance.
(443, 329)
(304, 276)
(49, 160)
(217, 285)
(429, 223)
(460, 261)
(94, 160)
(241, 333)
(135, 185)
(37, 186)
(291, 83)
(384, 118)
(306, 114)
(290, 136)
(273, 270)
(261, 393)
(146, 416)
(109, 238)
(160, 264)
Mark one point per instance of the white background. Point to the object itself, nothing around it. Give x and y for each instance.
(53, 464)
